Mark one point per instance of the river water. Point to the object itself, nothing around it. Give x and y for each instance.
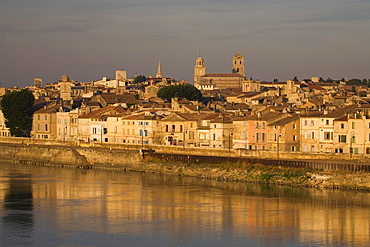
(47, 206)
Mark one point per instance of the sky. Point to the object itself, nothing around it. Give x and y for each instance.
(91, 39)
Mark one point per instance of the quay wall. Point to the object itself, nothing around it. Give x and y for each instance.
(335, 174)
(351, 158)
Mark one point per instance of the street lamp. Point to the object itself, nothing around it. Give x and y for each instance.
(142, 135)
(278, 144)
(184, 136)
(101, 133)
(351, 148)
(230, 142)
(65, 133)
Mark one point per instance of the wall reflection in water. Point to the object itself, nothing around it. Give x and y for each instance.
(135, 204)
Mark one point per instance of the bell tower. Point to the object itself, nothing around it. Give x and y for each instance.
(238, 64)
(199, 68)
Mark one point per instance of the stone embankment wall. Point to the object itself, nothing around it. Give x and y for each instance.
(68, 156)
(131, 160)
(196, 150)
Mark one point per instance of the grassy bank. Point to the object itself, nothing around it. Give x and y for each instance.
(256, 173)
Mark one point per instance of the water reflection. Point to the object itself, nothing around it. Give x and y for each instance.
(81, 205)
(17, 205)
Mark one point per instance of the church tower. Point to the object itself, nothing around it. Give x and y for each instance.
(238, 64)
(199, 68)
(159, 71)
(65, 90)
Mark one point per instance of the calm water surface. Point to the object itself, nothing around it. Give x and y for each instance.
(41, 206)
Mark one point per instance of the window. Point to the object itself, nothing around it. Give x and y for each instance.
(312, 123)
(342, 126)
(181, 128)
(95, 131)
(294, 126)
(263, 135)
(294, 137)
(191, 134)
(214, 137)
(328, 136)
(327, 122)
(353, 139)
(46, 117)
(313, 135)
(166, 128)
(173, 128)
(46, 127)
(292, 149)
(305, 122)
(353, 125)
(38, 117)
(343, 138)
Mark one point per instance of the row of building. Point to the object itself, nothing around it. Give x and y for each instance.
(236, 113)
(346, 130)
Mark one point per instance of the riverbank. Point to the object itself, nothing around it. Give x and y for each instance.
(257, 173)
(132, 160)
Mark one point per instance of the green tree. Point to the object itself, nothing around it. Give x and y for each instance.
(17, 110)
(329, 80)
(354, 81)
(139, 79)
(183, 91)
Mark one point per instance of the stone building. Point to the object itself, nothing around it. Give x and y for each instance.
(211, 81)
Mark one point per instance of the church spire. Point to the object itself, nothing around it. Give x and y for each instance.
(159, 71)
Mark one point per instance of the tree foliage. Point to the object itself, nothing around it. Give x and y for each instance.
(182, 91)
(17, 110)
(139, 79)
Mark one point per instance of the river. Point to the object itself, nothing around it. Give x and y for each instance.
(49, 206)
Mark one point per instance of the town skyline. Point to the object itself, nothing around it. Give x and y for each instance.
(279, 39)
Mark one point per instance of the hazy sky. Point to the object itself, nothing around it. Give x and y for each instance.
(89, 39)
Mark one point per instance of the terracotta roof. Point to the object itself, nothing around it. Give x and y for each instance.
(196, 116)
(106, 111)
(283, 121)
(340, 112)
(142, 116)
(51, 108)
(316, 87)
